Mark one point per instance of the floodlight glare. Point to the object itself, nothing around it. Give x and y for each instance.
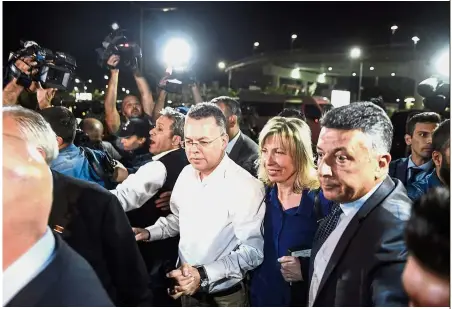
(177, 53)
(442, 64)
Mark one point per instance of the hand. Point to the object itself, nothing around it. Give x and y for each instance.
(25, 64)
(187, 278)
(113, 61)
(291, 268)
(45, 97)
(163, 201)
(141, 234)
(163, 81)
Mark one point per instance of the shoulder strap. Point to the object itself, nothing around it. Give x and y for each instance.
(318, 206)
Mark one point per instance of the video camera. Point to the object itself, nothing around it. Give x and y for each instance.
(436, 94)
(54, 70)
(116, 43)
(177, 79)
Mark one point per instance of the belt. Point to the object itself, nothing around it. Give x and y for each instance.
(233, 289)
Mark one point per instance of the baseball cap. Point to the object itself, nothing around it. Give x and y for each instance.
(135, 126)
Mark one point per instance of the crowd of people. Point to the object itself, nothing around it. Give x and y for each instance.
(160, 208)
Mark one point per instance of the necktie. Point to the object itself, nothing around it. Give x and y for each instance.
(326, 227)
(414, 173)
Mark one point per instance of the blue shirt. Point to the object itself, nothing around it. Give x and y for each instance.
(293, 228)
(72, 162)
(419, 188)
(28, 266)
(426, 168)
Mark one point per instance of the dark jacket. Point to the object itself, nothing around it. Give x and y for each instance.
(366, 266)
(245, 153)
(96, 226)
(399, 169)
(68, 281)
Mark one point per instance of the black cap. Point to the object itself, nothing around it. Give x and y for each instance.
(135, 126)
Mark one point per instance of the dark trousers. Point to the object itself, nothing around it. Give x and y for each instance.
(236, 299)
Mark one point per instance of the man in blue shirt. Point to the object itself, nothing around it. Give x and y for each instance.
(418, 136)
(441, 159)
(72, 160)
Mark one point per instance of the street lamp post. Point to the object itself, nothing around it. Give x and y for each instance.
(293, 37)
(355, 53)
(255, 46)
(415, 40)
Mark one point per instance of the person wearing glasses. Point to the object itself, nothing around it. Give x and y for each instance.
(217, 209)
(139, 194)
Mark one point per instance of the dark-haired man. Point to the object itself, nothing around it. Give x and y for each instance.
(440, 176)
(426, 277)
(292, 113)
(358, 254)
(241, 149)
(418, 136)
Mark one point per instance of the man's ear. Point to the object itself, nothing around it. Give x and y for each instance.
(142, 140)
(59, 141)
(437, 158)
(408, 139)
(232, 120)
(176, 140)
(383, 165)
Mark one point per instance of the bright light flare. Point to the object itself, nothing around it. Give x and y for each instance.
(221, 65)
(177, 53)
(355, 53)
(442, 63)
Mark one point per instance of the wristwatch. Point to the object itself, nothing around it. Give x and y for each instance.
(203, 275)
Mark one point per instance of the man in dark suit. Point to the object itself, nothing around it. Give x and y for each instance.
(418, 165)
(39, 269)
(359, 251)
(241, 149)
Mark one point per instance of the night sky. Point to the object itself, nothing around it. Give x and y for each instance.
(220, 30)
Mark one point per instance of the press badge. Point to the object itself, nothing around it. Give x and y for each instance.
(301, 253)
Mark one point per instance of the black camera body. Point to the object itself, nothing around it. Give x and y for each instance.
(116, 43)
(177, 79)
(55, 70)
(436, 94)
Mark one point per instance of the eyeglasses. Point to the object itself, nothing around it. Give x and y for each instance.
(199, 145)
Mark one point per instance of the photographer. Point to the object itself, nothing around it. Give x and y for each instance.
(131, 105)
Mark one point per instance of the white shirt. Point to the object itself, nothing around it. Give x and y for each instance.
(323, 255)
(219, 220)
(140, 187)
(28, 266)
(232, 142)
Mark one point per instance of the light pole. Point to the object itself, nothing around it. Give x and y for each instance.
(394, 29)
(255, 46)
(293, 37)
(355, 53)
(415, 40)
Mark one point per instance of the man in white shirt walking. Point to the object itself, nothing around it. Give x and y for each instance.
(217, 208)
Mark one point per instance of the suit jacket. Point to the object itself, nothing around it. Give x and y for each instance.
(365, 269)
(68, 281)
(245, 153)
(399, 169)
(96, 226)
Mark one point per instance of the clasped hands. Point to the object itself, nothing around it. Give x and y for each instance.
(187, 281)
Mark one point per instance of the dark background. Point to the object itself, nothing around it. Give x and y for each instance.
(220, 30)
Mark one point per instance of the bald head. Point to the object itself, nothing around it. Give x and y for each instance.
(27, 193)
(93, 128)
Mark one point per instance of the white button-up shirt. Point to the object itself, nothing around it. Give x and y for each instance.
(323, 255)
(219, 220)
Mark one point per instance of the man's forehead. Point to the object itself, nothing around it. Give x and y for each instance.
(426, 126)
(335, 138)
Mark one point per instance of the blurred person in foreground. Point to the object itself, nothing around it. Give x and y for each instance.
(39, 268)
(418, 137)
(241, 149)
(94, 129)
(288, 170)
(440, 176)
(88, 218)
(217, 208)
(359, 250)
(426, 277)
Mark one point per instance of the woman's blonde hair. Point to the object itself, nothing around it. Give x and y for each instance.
(295, 137)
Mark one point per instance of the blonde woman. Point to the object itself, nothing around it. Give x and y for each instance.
(286, 166)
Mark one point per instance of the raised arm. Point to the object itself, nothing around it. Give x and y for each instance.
(146, 95)
(112, 118)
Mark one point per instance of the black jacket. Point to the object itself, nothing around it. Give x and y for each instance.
(96, 226)
(68, 281)
(365, 269)
(245, 153)
(399, 169)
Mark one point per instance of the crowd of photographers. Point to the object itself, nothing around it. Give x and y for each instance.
(155, 207)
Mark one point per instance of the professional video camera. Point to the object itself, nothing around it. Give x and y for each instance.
(116, 43)
(436, 94)
(177, 79)
(54, 70)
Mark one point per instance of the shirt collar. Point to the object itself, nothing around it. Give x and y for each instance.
(353, 207)
(161, 155)
(69, 148)
(232, 142)
(425, 167)
(28, 266)
(218, 172)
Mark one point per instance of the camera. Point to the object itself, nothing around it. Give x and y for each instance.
(436, 94)
(177, 79)
(116, 43)
(54, 70)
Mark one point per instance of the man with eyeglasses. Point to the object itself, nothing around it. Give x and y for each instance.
(217, 208)
(139, 194)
